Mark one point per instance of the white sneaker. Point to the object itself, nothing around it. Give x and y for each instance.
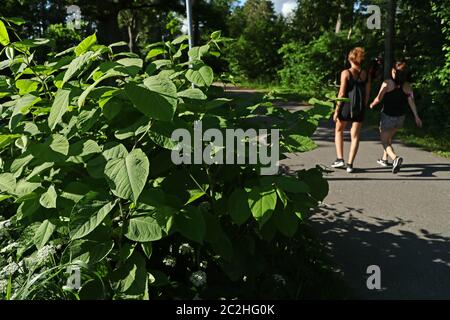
(397, 165)
(349, 168)
(339, 163)
(383, 163)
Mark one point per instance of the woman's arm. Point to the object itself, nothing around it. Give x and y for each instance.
(342, 90)
(412, 104)
(380, 96)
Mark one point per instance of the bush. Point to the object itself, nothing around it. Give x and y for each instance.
(87, 181)
(315, 67)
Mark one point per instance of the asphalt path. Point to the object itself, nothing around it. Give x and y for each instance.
(400, 223)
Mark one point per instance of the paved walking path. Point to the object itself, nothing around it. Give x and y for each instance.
(399, 222)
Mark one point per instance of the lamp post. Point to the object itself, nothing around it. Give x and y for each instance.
(189, 21)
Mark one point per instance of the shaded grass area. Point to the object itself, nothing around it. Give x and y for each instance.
(427, 139)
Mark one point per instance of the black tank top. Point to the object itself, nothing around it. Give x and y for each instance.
(395, 103)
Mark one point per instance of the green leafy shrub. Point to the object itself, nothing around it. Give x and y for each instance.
(87, 180)
(258, 31)
(314, 68)
(311, 67)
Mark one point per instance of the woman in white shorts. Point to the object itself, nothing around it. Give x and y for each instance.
(396, 95)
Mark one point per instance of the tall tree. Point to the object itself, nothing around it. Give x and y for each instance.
(259, 37)
(312, 18)
(389, 51)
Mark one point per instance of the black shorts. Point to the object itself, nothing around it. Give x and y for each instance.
(345, 115)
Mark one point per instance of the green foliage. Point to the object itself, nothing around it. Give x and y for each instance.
(63, 36)
(313, 66)
(258, 31)
(86, 179)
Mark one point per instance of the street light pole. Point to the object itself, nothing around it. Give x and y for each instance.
(189, 21)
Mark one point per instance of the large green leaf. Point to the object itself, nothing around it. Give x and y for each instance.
(83, 149)
(7, 182)
(24, 188)
(298, 143)
(127, 176)
(191, 224)
(143, 229)
(76, 65)
(59, 107)
(197, 53)
(6, 139)
(130, 281)
(318, 185)
(192, 93)
(85, 45)
(238, 206)
(43, 233)
(59, 144)
(87, 251)
(219, 241)
(19, 163)
(48, 199)
(201, 76)
(111, 150)
(262, 202)
(88, 217)
(157, 99)
(4, 38)
(26, 86)
(292, 184)
(16, 20)
(286, 222)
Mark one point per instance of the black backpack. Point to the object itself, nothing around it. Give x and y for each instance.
(356, 93)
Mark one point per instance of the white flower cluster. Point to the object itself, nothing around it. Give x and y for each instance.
(198, 278)
(170, 261)
(10, 269)
(185, 248)
(41, 256)
(280, 279)
(5, 224)
(204, 264)
(3, 285)
(10, 247)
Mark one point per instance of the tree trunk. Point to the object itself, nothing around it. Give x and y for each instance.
(130, 38)
(338, 23)
(389, 38)
(108, 29)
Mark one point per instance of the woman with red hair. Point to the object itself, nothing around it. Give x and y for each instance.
(354, 93)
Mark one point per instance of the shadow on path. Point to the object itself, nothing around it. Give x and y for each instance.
(413, 266)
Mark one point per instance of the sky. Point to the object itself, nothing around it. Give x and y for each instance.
(282, 6)
(285, 7)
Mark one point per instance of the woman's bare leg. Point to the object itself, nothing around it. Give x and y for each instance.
(355, 132)
(385, 155)
(386, 140)
(339, 138)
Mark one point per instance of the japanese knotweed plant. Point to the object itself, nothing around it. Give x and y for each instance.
(88, 188)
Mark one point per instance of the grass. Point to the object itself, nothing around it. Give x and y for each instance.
(428, 141)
